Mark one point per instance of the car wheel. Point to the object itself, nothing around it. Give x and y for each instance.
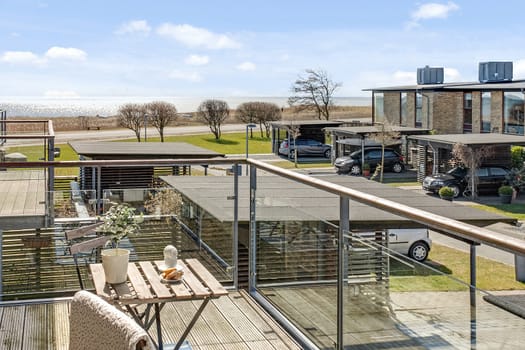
(397, 167)
(418, 251)
(327, 153)
(456, 190)
(355, 169)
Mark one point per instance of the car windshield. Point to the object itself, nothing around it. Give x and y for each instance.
(458, 172)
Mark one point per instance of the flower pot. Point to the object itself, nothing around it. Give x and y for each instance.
(366, 172)
(447, 198)
(505, 198)
(115, 264)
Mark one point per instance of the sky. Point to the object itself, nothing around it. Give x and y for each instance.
(70, 48)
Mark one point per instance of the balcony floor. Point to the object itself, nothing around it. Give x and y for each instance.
(233, 322)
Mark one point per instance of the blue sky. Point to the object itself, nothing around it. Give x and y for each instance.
(245, 48)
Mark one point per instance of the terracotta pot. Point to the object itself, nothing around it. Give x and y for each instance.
(115, 264)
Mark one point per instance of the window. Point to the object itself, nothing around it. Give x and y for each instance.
(513, 113)
(498, 172)
(485, 111)
(467, 112)
(404, 109)
(379, 107)
(419, 109)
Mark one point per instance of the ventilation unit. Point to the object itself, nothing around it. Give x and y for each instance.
(430, 75)
(490, 72)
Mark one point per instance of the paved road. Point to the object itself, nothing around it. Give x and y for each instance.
(115, 134)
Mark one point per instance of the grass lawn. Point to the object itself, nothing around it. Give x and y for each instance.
(491, 275)
(229, 143)
(516, 211)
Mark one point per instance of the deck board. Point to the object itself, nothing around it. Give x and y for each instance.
(46, 326)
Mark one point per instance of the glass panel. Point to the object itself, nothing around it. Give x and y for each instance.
(513, 113)
(467, 112)
(404, 109)
(485, 111)
(379, 107)
(419, 109)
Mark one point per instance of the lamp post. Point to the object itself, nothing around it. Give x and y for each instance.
(248, 126)
(145, 127)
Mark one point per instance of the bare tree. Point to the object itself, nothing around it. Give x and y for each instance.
(161, 114)
(471, 157)
(131, 116)
(386, 135)
(314, 92)
(213, 113)
(262, 113)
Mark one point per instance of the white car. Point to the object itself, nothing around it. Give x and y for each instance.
(413, 242)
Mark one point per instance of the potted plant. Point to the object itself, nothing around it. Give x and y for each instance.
(118, 222)
(505, 193)
(366, 169)
(446, 193)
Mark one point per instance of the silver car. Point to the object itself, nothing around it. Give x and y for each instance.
(413, 242)
(305, 147)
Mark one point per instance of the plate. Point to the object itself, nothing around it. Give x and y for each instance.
(163, 267)
(179, 268)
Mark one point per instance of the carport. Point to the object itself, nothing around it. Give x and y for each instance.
(362, 136)
(440, 146)
(308, 129)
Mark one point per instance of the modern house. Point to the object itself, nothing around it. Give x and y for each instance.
(493, 104)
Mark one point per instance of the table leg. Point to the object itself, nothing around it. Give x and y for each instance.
(159, 329)
(190, 325)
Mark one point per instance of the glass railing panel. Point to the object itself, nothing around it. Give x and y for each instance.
(296, 266)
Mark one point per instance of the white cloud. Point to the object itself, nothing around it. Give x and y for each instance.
(197, 37)
(20, 57)
(187, 76)
(518, 69)
(197, 60)
(451, 75)
(60, 94)
(246, 66)
(69, 53)
(134, 27)
(404, 78)
(431, 10)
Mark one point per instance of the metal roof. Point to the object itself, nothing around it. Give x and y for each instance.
(137, 150)
(280, 199)
(475, 85)
(469, 139)
(375, 129)
(290, 123)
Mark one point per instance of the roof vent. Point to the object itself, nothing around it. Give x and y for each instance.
(490, 72)
(430, 75)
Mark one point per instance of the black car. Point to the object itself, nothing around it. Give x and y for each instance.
(490, 178)
(352, 163)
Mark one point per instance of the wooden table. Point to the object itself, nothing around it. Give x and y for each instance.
(144, 287)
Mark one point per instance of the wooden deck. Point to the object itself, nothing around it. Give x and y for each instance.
(22, 199)
(230, 322)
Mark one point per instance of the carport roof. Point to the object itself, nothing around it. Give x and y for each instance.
(280, 199)
(375, 129)
(448, 141)
(290, 123)
(141, 150)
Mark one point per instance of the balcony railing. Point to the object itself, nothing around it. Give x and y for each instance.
(295, 242)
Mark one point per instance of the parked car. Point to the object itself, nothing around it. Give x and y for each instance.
(352, 163)
(412, 242)
(490, 178)
(305, 147)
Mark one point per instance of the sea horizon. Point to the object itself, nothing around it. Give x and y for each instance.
(28, 106)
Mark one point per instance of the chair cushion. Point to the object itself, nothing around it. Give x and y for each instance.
(96, 324)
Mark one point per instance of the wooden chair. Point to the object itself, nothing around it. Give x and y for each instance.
(95, 324)
(83, 243)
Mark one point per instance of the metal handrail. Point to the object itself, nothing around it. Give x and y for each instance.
(453, 228)
(456, 229)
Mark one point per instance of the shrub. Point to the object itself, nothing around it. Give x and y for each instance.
(505, 190)
(517, 155)
(366, 166)
(446, 191)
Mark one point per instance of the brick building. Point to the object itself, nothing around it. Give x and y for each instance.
(494, 104)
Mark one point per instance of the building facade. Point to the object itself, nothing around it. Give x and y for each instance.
(493, 105)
